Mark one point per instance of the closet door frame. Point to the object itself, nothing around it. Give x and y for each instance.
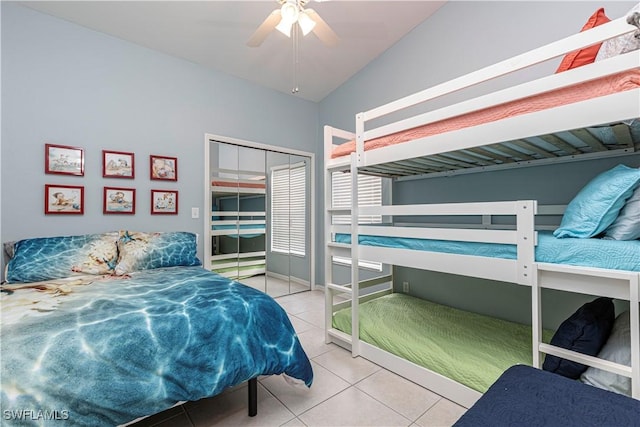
(210, 138)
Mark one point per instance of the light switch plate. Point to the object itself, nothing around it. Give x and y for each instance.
(195, 213)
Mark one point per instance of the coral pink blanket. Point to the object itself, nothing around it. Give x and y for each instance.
(604, 86)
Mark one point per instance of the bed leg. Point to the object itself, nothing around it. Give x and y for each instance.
(253, 397)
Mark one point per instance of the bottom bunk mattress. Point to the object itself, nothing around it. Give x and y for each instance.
(525, 396)
(469, 348)
(106, 350)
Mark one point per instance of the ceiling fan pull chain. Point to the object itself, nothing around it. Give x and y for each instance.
(295, 41)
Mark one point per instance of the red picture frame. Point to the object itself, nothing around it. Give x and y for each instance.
(163, 168)
(63, 160)
(164, 202)
(119, 200)
(118, 164)
(63, 199)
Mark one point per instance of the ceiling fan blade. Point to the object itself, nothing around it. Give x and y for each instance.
(265, 28)
(321, 29)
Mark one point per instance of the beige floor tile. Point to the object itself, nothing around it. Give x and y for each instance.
(352, 407)
(340, 362)
(313, 343)
(305, 301)
(230, 409)
(299, 399)
(315, 317)
(443, 414)
(300, 325)
(296, 422)
(180, 420)
(398, 393)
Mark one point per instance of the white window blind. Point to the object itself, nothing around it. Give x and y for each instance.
(288, 209)
(369, 194)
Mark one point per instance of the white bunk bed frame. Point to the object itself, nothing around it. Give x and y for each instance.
(423, 157)
(238, 218)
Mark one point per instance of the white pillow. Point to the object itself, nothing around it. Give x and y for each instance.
(627, 225)
(617, 349)
(621, 44)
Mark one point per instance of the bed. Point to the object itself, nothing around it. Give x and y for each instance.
(518, 242)
(527, 396)
(108, 328)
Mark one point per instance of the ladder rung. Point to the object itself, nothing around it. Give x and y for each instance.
(341, 288)
(339, 245)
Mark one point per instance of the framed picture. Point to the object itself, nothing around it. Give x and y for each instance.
(62, 159)
(164, 202)
(63, 199)
(118, 164)
(119, 200)
(163, 168)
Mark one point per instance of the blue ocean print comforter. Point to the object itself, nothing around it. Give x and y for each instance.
(100, 350)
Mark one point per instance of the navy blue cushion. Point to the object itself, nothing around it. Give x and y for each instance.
(585, 331)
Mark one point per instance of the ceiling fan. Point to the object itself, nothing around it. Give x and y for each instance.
(284, 18)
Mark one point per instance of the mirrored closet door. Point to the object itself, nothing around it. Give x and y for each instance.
(260, 222)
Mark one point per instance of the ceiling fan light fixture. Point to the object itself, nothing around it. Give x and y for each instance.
(285, 27)
(306, 24)
(289, 12)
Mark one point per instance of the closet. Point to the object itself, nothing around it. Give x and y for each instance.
(259, 224)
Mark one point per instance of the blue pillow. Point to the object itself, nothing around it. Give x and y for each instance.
(46, 258)
(144, 251)
(585, 332)
(597, 205)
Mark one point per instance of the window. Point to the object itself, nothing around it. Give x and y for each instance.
(369, 194)
(288, 209)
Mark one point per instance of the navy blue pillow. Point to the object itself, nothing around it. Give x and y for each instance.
(586, 331)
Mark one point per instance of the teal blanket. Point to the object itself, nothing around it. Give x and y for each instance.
(100, 350)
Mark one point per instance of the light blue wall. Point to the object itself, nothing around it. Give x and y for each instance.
(64, 84)
(459, 38)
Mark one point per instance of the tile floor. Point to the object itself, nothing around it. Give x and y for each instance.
(345, 391)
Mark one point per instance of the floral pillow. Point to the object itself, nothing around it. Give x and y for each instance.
(46, 258)
(144, 251)
(621, 44)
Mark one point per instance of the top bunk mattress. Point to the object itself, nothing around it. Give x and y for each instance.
(607, 85)
(598, 253)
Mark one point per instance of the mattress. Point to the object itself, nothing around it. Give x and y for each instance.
(599, 253)
(525, 396)
(592, 89)
(107, 350)
(469, 348)
(236, 184)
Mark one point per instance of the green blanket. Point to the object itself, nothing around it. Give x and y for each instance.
(469, 348)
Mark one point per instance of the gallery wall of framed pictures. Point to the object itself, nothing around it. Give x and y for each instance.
(65, 199)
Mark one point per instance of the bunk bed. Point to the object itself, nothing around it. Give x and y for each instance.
(238, 224)
(598, 120)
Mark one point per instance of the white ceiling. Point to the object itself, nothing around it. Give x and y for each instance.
(214, 34)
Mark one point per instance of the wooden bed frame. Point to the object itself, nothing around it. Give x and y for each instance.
(416, 159)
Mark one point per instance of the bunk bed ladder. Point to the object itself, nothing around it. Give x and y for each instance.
(332, 249)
